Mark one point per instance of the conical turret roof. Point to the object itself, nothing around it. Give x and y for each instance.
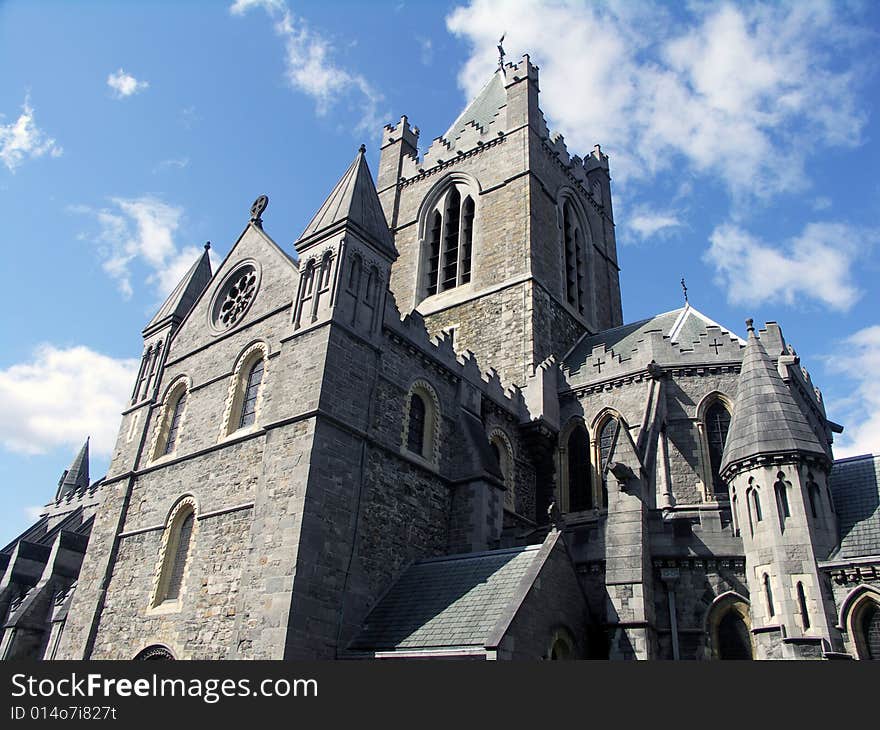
(766, 419)
(77, 476)
(354, 200)
(184, 295)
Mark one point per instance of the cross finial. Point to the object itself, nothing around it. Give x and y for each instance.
(684, 289)
(501, 53)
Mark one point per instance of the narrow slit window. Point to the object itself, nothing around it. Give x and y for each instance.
(416, 431)
(467, 239)
(434, 252)
(449, 274)
(782, 503)
(768, 594)
(802, 605)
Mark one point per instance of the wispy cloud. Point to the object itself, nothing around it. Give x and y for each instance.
(124, 84)
(61, 395)
(175, 163)
(310, 67)
(23, 139)
(645, 222)
(742, 93)
(858, 360)
(426, 50)
(815, 266)
(140, 231)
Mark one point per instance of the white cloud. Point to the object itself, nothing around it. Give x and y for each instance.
(60, 396)
(426, 50)
(124, 84)
(22, 139)
(859, 360)
(311, 69)
(742, 93)
(33, 513)
(645, 222)
(141, 231)
(816, 265)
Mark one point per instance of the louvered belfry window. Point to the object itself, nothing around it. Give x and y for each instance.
(574, 259)
(450, 241)
(181, 553)
(249, 405)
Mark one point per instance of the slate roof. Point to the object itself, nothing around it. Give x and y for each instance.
(77, 476)
(354, 199)
(682, 326)
(184, 295)
(855, 485)
(445, 603)
(482, 111)
(766, 419)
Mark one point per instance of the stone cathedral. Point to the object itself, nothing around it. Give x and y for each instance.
(425, 431)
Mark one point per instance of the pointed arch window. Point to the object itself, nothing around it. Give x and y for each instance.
(420, 422)
(815, 499)
(252, 390)
(734, 515)
(607, 438)
(781, 490)
(417, 411)
(717, 424)
(868, 628)
(580, 491)
(175, 558)
(802, 606)
(246, 387)
(174, 427)
(449, 242)
(354, 275)
(575, 274)
(169, 425)
(503, 453)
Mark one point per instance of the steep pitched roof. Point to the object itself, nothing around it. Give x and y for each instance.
(447, 603)
(482, 111)
(766, 418)
(855, 484)
(77, 476)
(184, 295)
(354, 200)
(682, 326)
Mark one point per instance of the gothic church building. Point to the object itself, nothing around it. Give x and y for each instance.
(427, 432)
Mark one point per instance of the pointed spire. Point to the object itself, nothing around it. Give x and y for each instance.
(353, 201)
(766, 419)
(76, 478)
(482, 111)
(184, 295)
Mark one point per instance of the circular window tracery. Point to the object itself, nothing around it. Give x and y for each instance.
(235, 297)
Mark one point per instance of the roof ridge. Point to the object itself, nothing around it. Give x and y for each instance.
(480, 554)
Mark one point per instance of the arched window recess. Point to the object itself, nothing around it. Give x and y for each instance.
(447, 233)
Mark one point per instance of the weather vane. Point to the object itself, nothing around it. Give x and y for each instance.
(501, 49)
(684, 289)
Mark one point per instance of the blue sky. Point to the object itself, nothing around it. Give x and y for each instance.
(743, 140)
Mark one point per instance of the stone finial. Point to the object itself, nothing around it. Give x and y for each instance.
(750, 325)
(257, 210)
(362, 149)
(207, 245)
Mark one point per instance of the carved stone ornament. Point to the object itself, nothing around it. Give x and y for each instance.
(257, 210)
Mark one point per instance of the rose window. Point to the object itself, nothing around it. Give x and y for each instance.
(235, 297)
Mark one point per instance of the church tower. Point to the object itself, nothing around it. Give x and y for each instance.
(505, 240)
(777, 472)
